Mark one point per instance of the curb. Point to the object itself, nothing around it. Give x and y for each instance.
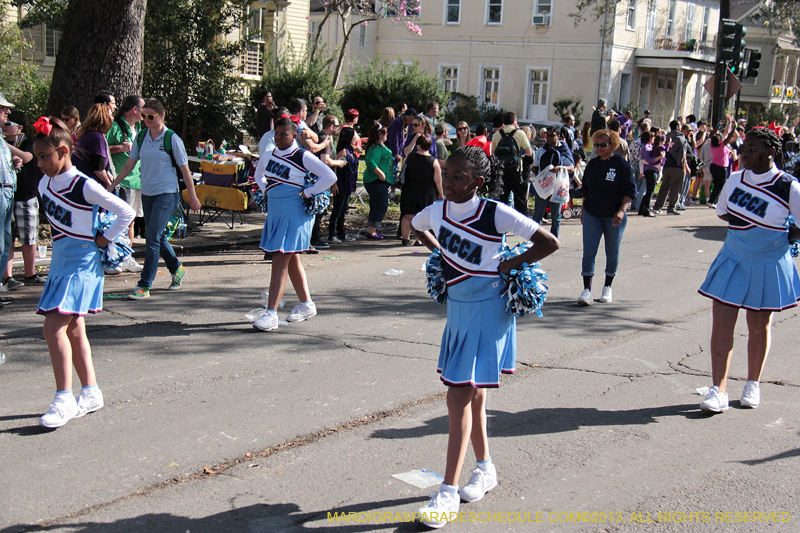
(203, 246)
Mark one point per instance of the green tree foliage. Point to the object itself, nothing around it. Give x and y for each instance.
(189, 65)
(569, 105)
(465, 107)
(779, 17)
(285, 78)
(18, 80)
(377, 85)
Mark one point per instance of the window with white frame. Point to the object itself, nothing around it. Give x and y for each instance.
(631, 19)
(706, 20)
(490, 85)
(449, 77)
(494, 11)
(255, 23)
(362, 36)
(453, 12)
(51, 39)
(543, 8)
(673, 6)
(690, 11)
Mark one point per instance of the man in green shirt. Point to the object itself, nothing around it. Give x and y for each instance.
(120, 138)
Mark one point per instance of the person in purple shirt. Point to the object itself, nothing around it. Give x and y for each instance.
(625, 125)
(91, 155)
(419, 126)
(653, 159)
(396, 139)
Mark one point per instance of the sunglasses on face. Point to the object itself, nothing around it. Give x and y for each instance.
(462, 129)
(602, 145)
(416, 124)
(150, 116)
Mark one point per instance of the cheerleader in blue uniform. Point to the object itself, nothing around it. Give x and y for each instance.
(75, 284)
(281, 176)
(754, 269)
(479, 340)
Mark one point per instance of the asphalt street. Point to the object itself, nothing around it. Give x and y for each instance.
(210, 425)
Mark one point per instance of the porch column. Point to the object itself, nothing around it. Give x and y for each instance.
(678, 93)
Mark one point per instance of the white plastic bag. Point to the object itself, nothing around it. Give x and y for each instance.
(561, 187)
(544, 182)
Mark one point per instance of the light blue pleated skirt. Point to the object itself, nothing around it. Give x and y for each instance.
(287, 228)
(75, 283)
(480, 339)
(754, 270)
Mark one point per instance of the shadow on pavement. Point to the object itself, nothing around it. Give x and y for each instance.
(258, 517)
(706, 233)
(549, 420)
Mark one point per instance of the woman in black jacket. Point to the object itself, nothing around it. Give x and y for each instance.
(608, 189)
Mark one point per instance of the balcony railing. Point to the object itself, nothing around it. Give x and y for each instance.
(658, 39)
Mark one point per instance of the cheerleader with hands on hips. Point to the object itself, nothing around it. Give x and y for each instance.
(754, 269)
(479, 341)
(74, 286)
(287, 230)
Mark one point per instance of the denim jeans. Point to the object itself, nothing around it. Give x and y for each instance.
(378, 202)
(6, 212)
(594, 228)
(540, 205)
(641, 187)
(158, 210)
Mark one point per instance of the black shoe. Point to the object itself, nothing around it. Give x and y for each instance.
(312, 250)
(267, 256)
(407, 242)
(322, 245)
(6, 299)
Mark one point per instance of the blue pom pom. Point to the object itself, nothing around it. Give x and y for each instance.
(316, 203)
(434, 273)
(525, 291)
(117, 250)
(261, 200)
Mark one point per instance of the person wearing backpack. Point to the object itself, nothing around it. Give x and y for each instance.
(674, 170)
(510, 145)
(556, 153)
(162, 156)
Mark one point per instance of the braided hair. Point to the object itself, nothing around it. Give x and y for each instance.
(481, 165)
(770, 140)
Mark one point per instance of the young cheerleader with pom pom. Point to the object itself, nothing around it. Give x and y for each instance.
(74, 286)
(479, 340)
(287, 230)
(754, 269)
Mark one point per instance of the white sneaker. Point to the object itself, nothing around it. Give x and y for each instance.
(585, 298)
(440, 509)
(267, 322)
(751, 395)
(63, 409)
(715, 401)
(302, 312)
(480, 482)
(334, 240)
(113, 271)
(130, 265)
(605, 298)
(89, 401)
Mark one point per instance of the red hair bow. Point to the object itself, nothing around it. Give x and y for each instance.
(294, 118)
(43, 126)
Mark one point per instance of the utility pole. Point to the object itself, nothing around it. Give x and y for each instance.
(721, 71)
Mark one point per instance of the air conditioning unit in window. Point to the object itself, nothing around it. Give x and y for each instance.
(541, 20)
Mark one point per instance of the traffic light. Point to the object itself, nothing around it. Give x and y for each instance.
(753, 64)
(732, 43)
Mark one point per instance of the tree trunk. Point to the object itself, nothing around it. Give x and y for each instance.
(101, 49)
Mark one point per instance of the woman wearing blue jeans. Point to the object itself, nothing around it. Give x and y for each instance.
(608, 188)
(160, 194)
(378, 178)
